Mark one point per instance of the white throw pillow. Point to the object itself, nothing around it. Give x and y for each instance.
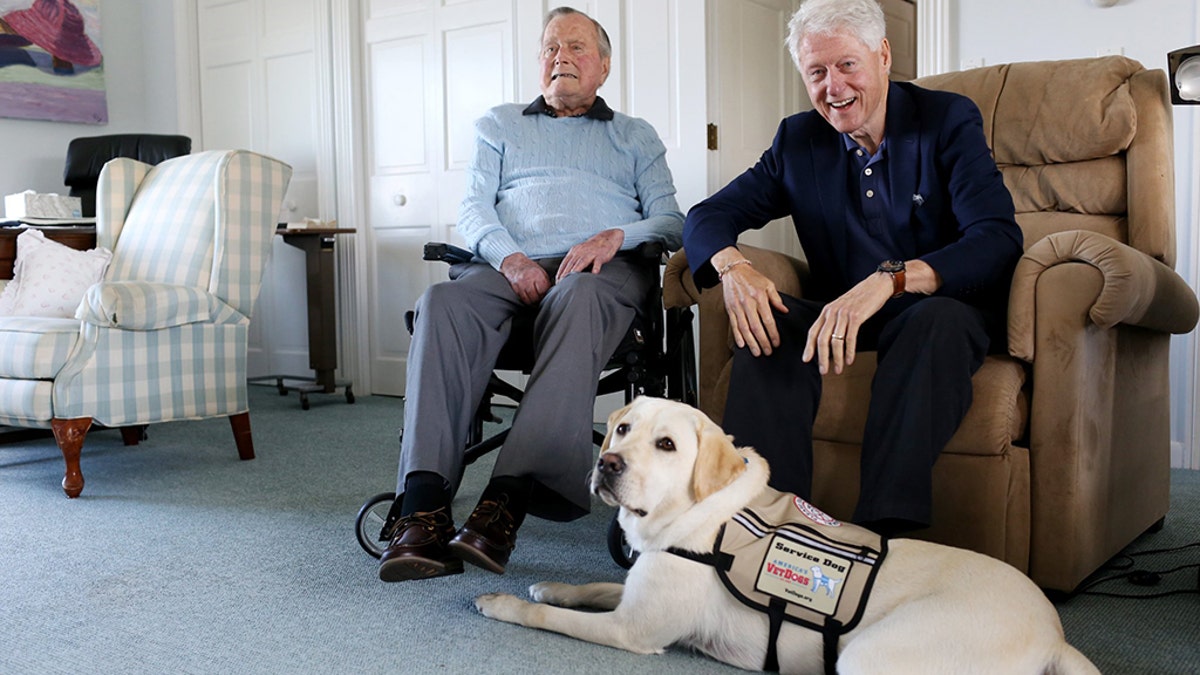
(7, 297)
(49, 279)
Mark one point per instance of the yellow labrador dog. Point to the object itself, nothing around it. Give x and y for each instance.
(677, 479)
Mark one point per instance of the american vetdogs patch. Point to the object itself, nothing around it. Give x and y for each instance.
(803, 574)
(785, 548)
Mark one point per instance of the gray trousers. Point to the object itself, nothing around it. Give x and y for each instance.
(459, 329)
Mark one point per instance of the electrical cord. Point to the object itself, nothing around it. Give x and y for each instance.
(1141, 577)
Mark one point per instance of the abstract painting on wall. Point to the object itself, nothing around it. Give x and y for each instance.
(51, 65)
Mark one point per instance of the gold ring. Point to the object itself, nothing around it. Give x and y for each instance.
(839, 337)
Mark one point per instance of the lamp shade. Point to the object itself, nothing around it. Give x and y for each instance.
(1183, 67)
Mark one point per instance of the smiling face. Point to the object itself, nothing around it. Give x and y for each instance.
(847, 83)
(572, 67)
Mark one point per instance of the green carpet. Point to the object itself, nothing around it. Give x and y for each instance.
(179, 558)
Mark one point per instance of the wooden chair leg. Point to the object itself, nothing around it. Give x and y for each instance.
(134, 434)
(69, 435)
(241, 435)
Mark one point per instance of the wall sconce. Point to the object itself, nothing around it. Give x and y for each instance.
(1183, 67)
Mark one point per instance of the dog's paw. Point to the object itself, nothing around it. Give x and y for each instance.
(553, 593)
(500, 606)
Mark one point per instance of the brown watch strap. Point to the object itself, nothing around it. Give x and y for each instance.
(897, 283)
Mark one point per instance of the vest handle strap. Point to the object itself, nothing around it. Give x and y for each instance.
(832, 631)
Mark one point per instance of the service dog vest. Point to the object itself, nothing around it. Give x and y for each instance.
(783, 556)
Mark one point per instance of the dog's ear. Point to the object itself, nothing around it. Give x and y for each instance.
(717, 461)
(613, 420)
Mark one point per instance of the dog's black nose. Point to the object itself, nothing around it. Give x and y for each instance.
(610, 464)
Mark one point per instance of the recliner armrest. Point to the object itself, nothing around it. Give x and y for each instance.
(788, 273)
(1137, 290)
(142, 305)
(716, 338)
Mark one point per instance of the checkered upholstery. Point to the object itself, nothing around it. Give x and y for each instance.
(164, 336)
(32, 351)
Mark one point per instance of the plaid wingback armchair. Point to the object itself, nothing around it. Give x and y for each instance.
(1063, 457)
(164, 336)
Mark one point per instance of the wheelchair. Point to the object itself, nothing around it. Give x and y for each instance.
(656, 358)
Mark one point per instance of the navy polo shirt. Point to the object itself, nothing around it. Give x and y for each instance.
(868, 232)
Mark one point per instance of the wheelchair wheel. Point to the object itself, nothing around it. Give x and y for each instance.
(372, 517)
(618, 548)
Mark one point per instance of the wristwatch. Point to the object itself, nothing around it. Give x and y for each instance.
(896, 269)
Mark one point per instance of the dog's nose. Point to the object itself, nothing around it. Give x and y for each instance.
(611, 464)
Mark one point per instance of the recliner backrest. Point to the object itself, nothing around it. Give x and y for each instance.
(1073, 140)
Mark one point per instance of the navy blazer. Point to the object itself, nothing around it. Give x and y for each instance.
(951, 210)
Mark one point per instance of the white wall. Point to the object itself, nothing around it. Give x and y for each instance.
(986, 32)
(139, 73)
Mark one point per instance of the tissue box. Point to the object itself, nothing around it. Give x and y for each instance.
(29, 204)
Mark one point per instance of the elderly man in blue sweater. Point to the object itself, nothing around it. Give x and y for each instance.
(557, 191)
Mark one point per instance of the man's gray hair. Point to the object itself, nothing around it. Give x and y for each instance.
(861, 18)
(604, 44)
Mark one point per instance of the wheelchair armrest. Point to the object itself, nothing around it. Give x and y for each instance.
(447, 253)
(651, 250)
(451, 254)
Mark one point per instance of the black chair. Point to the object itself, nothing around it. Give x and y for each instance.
(86, 156)
(656, 358)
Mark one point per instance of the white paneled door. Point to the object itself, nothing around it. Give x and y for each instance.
(430, 69)
(753, 87)
(258, 68)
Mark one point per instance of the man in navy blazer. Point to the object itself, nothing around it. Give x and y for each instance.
(911, 241)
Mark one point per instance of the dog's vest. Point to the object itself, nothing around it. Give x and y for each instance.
(783, 556)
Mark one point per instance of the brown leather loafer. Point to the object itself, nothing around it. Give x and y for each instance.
(487, 538)
(418, 548)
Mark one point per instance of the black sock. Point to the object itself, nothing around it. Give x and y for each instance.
(513, 492)
(424, 491)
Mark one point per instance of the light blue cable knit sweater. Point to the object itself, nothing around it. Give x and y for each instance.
(540, 185)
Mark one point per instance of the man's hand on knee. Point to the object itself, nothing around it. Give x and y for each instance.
(750, 298)
(528, 280)
(592, 253)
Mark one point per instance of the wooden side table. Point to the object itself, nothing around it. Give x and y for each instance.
(318, 246)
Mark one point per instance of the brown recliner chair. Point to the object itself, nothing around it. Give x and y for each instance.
(1064, 455)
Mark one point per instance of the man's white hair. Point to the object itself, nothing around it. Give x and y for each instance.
(861, 18)
(602, 41)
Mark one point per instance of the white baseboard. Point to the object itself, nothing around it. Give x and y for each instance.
(1182, 459)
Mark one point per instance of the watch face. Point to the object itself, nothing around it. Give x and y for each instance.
(891, 266)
